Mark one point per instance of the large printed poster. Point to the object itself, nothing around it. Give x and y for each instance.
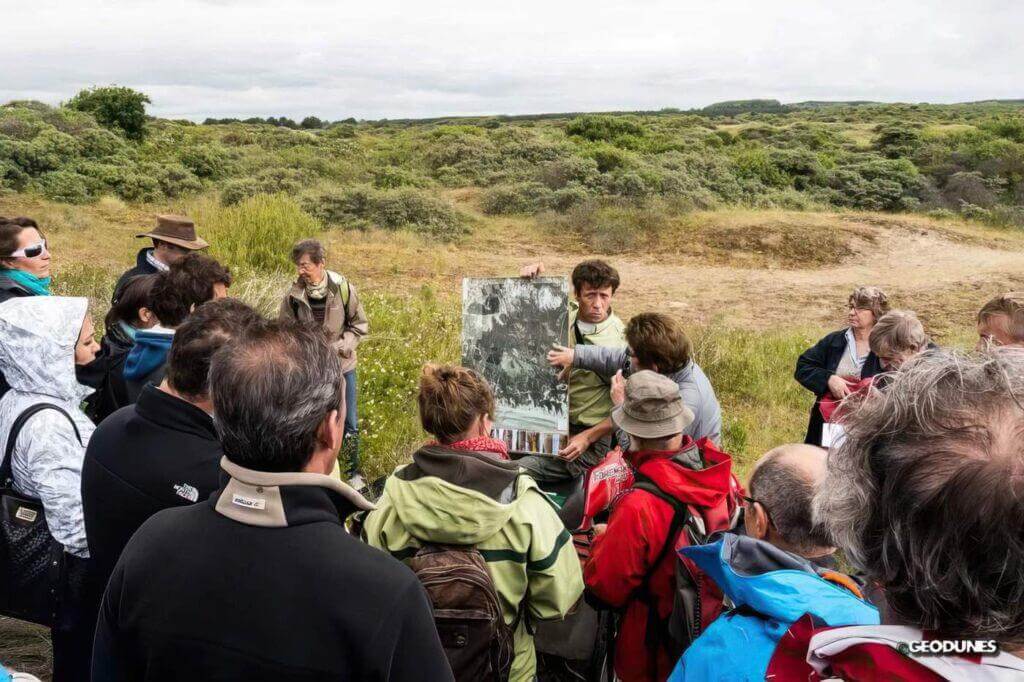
(508, 326)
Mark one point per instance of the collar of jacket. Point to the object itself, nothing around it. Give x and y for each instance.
(688, 455)
(280, 500)
(142, 260)
(14, 287)
(596, 327)
(677, 473)
(117, 340)
(477, 471)
(9, 284)
(171, 412)
(298, 290)
(683, 374)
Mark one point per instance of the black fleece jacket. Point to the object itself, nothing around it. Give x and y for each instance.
(161, 452)
(263, 582)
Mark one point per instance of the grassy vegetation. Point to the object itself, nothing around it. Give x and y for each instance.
(966, 159)
(403, 195)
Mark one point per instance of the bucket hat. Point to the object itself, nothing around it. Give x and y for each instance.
(653, 408)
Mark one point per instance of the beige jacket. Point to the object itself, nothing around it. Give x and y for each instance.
(345, 323)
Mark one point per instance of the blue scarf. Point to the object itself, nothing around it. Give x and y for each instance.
(128, 330)
(37, 286)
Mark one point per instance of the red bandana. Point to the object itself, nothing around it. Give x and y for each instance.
(486, 444)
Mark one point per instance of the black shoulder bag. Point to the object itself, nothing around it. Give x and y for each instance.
(31, 561)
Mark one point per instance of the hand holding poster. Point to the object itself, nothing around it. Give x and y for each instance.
(508, 326)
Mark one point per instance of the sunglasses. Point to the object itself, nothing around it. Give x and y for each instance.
(31, 251)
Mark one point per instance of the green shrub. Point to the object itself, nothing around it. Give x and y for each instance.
(523, 197)
(341, 131)
(972, 212)
(98, 143)
(561, 172)
(405, 208)
(570, 196)
(629, 184)
(66, 186)
(238, 190)
(607, 157)
(268, 181)
(896, 140)
(257, 234)
(1010, 127)
(12, 177)
(409, 208)
(391, 177)
(942, 214)
(205, 160)
(1007, 217)
(115, 107)
(756, 163)
(174, 179)
(598, 128)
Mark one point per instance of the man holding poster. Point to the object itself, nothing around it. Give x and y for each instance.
(591, 322)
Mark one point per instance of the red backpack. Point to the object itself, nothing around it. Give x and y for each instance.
(697, 599)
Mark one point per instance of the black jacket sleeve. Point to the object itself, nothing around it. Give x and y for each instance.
(415, 652)
(113, 659)
(812, 371)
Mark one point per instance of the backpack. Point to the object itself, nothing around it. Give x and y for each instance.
(31, 561)
(697, 600)
(475, 637)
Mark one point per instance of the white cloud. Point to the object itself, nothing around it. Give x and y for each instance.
(199, 58)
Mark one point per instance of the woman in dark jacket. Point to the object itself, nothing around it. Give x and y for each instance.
(824, 367)
(128, 315)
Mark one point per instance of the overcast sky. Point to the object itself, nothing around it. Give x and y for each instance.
(420, 58)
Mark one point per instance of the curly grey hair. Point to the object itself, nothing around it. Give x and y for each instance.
(926, 494)
(870, 298)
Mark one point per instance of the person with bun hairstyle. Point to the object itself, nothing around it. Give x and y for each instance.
(460, 490)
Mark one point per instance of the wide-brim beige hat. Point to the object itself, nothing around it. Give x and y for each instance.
(653, 407)
(177, 230)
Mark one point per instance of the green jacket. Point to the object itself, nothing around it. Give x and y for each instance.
(471, 498)
(590, 401)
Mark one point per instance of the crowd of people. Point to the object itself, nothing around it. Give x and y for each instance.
(184, 474)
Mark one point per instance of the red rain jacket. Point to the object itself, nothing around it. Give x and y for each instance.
(636, 534)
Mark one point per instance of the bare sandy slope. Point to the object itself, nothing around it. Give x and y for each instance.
(944, 271)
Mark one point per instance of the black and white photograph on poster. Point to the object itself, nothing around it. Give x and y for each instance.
(508, 326)
(520, 441)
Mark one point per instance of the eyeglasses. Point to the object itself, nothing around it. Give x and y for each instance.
(751, 502)
(30, 251)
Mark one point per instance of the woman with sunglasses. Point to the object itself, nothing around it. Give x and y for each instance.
(24, 259)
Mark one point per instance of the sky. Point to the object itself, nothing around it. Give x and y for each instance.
(385, 59)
